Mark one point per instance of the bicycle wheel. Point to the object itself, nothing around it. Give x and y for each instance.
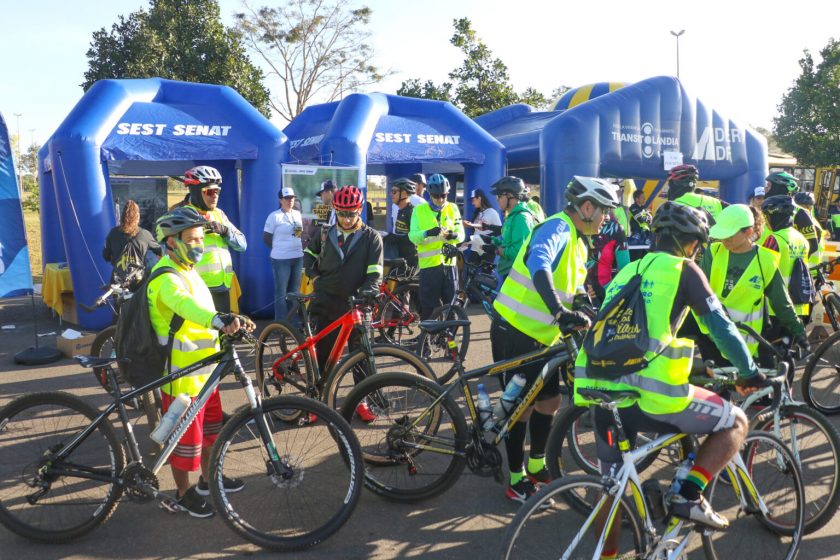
(571, 446)
(435, 349)
(37, 499)
(413, 450)
(538, 531)
(303, 510)
(356, 366)
(295, 375)
(821, 378)
(398, 317)
(777, 480)
(815, 444)
(104, 346)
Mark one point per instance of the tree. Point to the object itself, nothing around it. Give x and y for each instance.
(29, 178)
(808, 125)
(481, 83)
(316, 49)
(179, 40)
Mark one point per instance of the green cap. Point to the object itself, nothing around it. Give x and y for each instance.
(731, 220)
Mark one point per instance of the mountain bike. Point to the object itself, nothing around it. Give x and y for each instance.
(420, 441)
(397, 309)
(762, 482)
(64, 469)
(820, 382)
(287, 362)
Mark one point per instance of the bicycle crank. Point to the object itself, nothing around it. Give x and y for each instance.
(485, 460)
(141, 484)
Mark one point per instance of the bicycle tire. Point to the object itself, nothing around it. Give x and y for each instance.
(402, 335)
(571, 433)
(103, 346)
(820, 382)
(818, 456)
(286, 515)
(743, 539)
(299, 372)
(353, 368)
(834, 301)
(33, 425)
(434, 349)
(395, 469)
(538, 531)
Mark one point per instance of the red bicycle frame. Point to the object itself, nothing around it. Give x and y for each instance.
(405, 317)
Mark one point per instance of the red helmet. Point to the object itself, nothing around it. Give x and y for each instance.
(202, 175)
(348, 198)
(682, 173)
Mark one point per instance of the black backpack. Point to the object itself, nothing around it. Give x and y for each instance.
(142, 358)
(618, 340)
(130, 268)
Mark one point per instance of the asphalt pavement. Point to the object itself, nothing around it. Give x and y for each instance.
(466, 522)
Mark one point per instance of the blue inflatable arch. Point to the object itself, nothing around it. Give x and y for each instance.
(395, 136)
(155, 127)
(626, 133)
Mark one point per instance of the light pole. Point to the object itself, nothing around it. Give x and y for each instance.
(18, 116)
(677, 35)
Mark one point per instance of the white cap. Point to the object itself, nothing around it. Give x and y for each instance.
(287, 192)
(759, 191)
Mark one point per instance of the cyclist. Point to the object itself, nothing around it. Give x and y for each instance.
(756, 198)
(785, 184)
(181, 232)
(127, 247)
(216, 266)
(534, 206)
(326, 192)
(420, 197)
(640, 218)
(834, 219)
(511, 194)
(786, 241)
(745, 277)
(608, 254)
(432, 225)
(535, 307)
(348, 261)
(398, 241)
(805, 200)
(672, 282)
(682, 181)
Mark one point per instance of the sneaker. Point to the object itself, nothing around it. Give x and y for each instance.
(194, 504)
(231, 485)
(364, 413)
(699, 511)
(542, 476)
(522, 490)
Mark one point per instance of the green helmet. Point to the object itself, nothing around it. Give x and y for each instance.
(784, 180)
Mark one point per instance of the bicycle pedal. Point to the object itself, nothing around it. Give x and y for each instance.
(169, 504)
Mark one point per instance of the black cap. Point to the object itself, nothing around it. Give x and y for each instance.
(417, 178)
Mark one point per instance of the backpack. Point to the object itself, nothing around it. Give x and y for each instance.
(130, 267)
(618, 340)
(142, 358)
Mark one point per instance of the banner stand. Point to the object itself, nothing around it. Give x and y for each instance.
(37, 355)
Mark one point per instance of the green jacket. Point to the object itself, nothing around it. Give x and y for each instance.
(517, 227)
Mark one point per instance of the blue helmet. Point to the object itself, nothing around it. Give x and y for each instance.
(438, 184)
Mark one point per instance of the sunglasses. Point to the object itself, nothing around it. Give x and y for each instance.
(346, 214)
(211, 191)
(438, 196)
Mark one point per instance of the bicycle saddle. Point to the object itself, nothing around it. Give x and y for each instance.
(433, 327)
(94, 361)
(608, 396)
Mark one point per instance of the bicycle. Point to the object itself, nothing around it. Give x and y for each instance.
(820, 382)
(64, 469)
(419, 442)
(287, 362)
(538, 531)
(397, 309)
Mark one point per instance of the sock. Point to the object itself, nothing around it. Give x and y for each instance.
(536, 464)
(539, 427)
(609, 555)
(515, 477)
(515, 447)
(695, 483)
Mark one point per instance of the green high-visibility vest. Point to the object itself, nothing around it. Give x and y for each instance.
(745, 303)
(663, 384)
(518, 301)
(425, 218)
(215, 266)
(792, 245)
(707, 203)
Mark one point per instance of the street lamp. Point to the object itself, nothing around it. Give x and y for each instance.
(677, 35)
(18, 116)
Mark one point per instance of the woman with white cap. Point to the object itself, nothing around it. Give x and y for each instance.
(484, 215)
(744, 276)
(282, 234)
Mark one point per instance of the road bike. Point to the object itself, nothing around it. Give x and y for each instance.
(63, 468)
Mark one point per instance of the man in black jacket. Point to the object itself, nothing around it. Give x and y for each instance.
(347, 262)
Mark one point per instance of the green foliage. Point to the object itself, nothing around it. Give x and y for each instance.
(316, 49)
(481, 83)
(808, 125)
(179, 40)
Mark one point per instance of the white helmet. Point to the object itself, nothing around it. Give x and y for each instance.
(599, 191)
(202, 175)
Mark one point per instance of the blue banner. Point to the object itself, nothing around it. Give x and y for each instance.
(15, 274)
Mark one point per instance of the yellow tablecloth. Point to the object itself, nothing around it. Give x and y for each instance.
(56, 281)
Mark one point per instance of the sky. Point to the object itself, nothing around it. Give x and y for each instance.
(738, 57)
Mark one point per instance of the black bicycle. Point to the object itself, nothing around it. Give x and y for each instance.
(63, 468)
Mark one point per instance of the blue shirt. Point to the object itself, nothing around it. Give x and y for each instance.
(546, 246)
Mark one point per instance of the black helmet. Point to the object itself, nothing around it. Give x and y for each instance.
(176, 221)
(601, 193)
(779, 205)
(785, 180)
(404, 184)
(417, 178)
(680, 221)
(804, 199)
(681, 180)
(509, 184)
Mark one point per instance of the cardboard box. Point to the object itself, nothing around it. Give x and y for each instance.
(75, 346)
